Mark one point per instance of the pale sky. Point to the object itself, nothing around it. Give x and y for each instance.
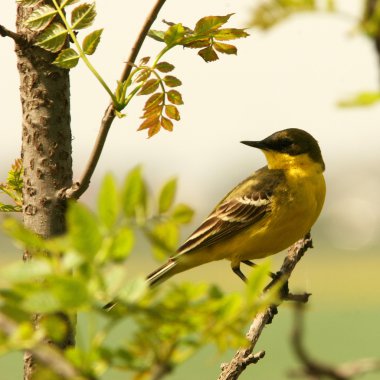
(291, 76)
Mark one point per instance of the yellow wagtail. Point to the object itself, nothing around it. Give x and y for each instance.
(264, 214)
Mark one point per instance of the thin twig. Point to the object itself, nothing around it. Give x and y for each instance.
(233, 369)
(4, 32)
(78, 188)
(312, 368)
(45, 353)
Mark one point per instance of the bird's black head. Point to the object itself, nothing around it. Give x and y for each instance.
(290, 141)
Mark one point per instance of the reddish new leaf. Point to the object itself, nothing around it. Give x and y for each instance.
(208, 54)
(166, 124)
(174, 97)
(229, 34)
(143, 75)
(154, 130)
(172, 81)
(197, 43)
(154, 100)
(225, 48)
(151, 111)
(149, 122)
(144, 61)
(149, 87)
(172, 112)
(164, 67)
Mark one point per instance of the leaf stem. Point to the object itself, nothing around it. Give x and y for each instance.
(78, 188)
(81, 53)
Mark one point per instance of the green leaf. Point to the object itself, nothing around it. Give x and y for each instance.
(164, 67)
(57, 293)
(174, 97)
(364, 99)
(209, 23)
(83, 230)
(14, 178)
(83, 16)
(171, 81)
(258, 279)
(31, 271)
(134, 196)
(9, 208)
(208, 54)
(41, 17)
(67, 59)
(122, 244)
(157, 35)
(133, 290)
(108, 201)
(165, 237)
(91, 41)
(172, 112)
(174, 35)
(225, 48)
(166, 124)
(120, 93)
(52, 38)
(167, 195)
(27, 238)
(229, 34)
(182, 213)
(41, 301)
(149, 87)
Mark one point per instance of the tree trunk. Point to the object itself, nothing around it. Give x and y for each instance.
(46, 147)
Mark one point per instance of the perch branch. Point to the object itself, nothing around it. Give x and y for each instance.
(79, 187)
(233, 369)
(312, 368)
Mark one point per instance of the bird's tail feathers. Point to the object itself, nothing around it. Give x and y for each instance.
(162, 273)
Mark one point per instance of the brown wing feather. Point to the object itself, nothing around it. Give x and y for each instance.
(226, 220)
(244, 206)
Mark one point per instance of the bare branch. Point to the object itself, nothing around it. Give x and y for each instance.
(78, 188)
(4, 32)
(233, 369)
(312, 368)
(45, 353)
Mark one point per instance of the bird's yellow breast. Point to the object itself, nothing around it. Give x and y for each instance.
(295, 206)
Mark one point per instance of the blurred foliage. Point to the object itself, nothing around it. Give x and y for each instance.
(13, 188)
(363, 99)
(80, 272)
(270, 13)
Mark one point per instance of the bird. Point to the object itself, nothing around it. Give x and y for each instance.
(264, 214)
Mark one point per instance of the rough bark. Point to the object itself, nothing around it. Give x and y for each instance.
(46, 146)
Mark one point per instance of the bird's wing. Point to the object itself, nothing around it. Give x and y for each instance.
(228, 218)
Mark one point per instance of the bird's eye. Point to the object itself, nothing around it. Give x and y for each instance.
(285, 142)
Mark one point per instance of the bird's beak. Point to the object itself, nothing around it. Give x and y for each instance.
(256, 144)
